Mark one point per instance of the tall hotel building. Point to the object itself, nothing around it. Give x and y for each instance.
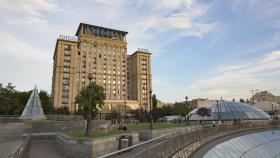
(102, 52)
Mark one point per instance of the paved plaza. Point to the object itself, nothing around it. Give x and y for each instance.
(10, 137)
(44, 149)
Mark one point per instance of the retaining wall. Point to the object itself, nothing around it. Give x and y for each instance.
(53, 126)
(88, 148)
(145, 135)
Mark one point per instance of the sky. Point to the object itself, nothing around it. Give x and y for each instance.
(200, 49)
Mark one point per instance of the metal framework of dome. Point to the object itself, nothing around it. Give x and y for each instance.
(256, 145)
(33, 109)
(228, 110)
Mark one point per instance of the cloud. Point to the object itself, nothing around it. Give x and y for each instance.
(234, 81)
(24, 65)
(26, 12)
(167, 21)
(267, 11)
(17, 48)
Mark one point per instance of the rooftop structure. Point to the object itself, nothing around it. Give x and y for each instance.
(228, 110)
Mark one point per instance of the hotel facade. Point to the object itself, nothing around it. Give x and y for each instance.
(101, 52)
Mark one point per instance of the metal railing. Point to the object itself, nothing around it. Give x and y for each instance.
(48, 117)
(182, 143)
(64, 117)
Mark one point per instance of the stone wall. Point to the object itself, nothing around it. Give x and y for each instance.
(46, 126)
(53, 126)
(145, 135)
(88, 148)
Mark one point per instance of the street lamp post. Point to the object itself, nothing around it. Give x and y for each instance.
(275, 112)
(272, 113)
(188, 107)
(90, 77)
(218, 110)
(125, 111)
(151, 115)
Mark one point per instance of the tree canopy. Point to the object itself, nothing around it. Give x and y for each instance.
(12, 101)
(90, 99)
(203, 111)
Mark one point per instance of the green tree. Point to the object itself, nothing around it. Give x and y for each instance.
(64, 110)
(167, 110)
(157, 113)
(154, 101)
(180, 108)
(46, 103)
(11, 101)
(89, 100)
(22, 98)
(203, 112)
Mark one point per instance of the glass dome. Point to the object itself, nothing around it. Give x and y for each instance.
(257, 145)
(228, 110)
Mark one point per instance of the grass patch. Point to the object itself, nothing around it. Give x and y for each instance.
(156, 125)
(162, 125)
(81, 134)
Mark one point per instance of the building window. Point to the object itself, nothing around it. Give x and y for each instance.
(67, 52)
(66, 69)
(66, 64)
(66, 75)
(67, 47)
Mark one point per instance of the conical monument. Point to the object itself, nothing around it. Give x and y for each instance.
(33, 109)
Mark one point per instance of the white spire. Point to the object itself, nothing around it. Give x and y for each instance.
(33, 109)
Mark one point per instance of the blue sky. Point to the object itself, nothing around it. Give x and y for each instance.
(207, 49)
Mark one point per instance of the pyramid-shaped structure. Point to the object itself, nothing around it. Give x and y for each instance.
(33, 109)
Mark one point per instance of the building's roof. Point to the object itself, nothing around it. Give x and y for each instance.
(33, 109)
(80, 25)
(141, 51)
(228, 110)
(262, 144)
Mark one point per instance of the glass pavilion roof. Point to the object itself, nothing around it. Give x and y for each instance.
(33, 109)
(256, 145)
(228, 110)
